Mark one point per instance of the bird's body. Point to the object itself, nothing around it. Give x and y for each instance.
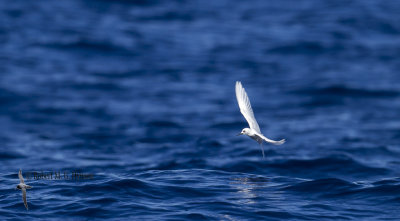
(246, 110)
(253, 135)
(22, 186)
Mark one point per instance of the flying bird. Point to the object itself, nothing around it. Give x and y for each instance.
(22, 186)
(246, 110)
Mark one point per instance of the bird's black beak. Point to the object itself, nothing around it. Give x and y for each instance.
(239, 134)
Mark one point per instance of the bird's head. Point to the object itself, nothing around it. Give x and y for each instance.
(244, 131)
(18, 187)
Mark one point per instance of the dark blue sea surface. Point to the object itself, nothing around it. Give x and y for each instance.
(140, 95)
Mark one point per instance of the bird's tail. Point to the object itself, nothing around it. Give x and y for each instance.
(262, 148)
(28, 187)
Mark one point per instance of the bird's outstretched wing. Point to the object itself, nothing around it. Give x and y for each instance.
(21, 179)
(275, 142)
(245, 107)
(24, 198)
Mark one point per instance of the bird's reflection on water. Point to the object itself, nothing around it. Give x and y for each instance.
(249, 187)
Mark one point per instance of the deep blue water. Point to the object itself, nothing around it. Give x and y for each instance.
(140, 94)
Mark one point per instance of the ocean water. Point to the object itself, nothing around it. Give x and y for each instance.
(139, 95)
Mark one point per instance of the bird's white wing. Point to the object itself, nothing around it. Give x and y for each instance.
(275, 142)
(21, 179)
(245, 107)
(24, 198)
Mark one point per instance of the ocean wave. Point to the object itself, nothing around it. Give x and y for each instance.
(344, 91)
